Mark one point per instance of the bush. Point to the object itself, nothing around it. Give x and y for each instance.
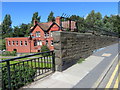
(80, 60)
(8, 53)
(20, 76)
(44, 48)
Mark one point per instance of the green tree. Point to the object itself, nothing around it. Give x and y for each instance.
(79, 22)
(90, 19)
(51, 17)
(94, 21)
(35, 17)
(22, 30)
(6, 26)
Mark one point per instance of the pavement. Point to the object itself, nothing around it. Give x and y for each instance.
(84, 75)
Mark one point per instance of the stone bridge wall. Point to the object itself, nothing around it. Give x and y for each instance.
(71, 46)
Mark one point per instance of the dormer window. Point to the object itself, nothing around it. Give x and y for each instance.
(37, 33)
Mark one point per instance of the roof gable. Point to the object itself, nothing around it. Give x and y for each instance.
(45, 26)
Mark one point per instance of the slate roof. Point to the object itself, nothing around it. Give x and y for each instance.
(46, 26)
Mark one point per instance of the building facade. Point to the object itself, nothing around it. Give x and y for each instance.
(40, 34)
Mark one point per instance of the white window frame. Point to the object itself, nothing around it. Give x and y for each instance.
(13, 43)
(37, 33)
(25, 42)
(52, 43)
(46, 34)
(51, 34)
(9, 43)
(46, 42)
(39, 43)
(21, 43)
(16, 43)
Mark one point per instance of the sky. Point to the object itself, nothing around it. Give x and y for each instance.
(21, 12)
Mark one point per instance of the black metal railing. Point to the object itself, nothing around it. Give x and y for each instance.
(19, 71)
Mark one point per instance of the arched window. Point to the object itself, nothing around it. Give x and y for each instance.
(9, 43)
(25, 43)
(17, 43)
(46, 42)
(51, 42)
(13, 43)
(21, 43)
(35, 43)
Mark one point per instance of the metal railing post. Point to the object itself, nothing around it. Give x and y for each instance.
(53, 61)
(9, 77)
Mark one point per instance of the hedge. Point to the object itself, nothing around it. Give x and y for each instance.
(19, 77)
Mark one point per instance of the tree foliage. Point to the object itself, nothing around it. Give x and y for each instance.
(35, 17)
(51, 17)
(22, 30)
(6, 26)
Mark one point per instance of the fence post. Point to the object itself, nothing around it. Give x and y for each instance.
(9, 77)
(53, 61)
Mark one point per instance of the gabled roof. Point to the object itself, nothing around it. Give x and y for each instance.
(44, 26)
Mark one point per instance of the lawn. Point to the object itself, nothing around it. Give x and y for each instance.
(41, 64)
(0, 41)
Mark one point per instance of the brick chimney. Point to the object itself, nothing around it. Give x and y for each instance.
(35, 22)
(57, 20)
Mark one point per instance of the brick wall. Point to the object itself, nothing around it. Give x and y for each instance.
(71, 46)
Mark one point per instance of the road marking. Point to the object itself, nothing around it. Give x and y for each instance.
(117, 81)
(106, 54)
(112, 77)
(99, 80)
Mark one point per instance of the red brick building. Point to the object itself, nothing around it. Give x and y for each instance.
(40, 34)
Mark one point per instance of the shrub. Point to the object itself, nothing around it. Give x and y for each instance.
(20, 76)
(44, 48)
(80, 60)
(8, 53)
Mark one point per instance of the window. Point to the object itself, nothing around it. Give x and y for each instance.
(46, 34)
(46, 42)
(51, 33)
(13, 42)
(17, 43)
(39, 42)
(37, 33)
(35, 43)
(21, 43)
(51, 42)
(25, 43)
(9, 43)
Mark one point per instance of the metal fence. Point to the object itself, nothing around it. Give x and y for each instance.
(19, 71)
